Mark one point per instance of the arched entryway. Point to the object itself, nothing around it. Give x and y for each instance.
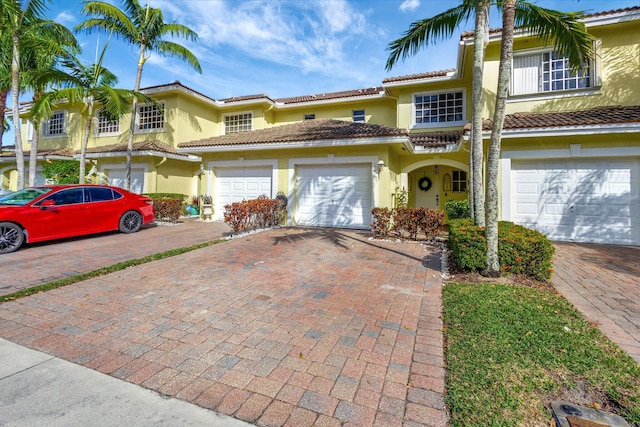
(432, 182)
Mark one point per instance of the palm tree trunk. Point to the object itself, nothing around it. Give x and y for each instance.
(132, 125)
(15, 92)
(476, 166)
(493, 158)
(35, 141)
(85, 143)
(4, 93)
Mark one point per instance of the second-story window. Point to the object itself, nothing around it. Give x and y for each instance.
(150, 117)
(547, 71)
(358, 116)
(439, 109)
(235, 123)
(56, 125)
(106, 126)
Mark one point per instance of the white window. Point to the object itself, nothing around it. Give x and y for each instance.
(106, 126)
(542, 72)
(438, 109)
(235, 123)
(150, 117)
(56, 125)
(459, 181)
(358, 116)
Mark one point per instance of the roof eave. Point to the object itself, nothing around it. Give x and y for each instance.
(568, 130)
(152, 153)
(342, 142)
(379, 95)
(450, 76)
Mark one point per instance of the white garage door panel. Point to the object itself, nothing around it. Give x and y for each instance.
(579, 200)
(334, 195)
(238, 184)
(116, 178)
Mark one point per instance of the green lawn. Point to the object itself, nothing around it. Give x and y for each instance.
(511, 350)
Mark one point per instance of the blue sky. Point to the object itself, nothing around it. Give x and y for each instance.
(288, 47)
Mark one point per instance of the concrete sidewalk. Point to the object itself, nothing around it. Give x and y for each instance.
(38, 389)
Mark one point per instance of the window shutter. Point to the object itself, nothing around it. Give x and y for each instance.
(526, 74)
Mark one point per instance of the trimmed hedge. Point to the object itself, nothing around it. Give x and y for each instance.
(457, 209)
(169, 206)
(409, 221)
(520, 249)
(255, 214)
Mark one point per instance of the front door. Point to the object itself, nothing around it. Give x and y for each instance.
(426, 188)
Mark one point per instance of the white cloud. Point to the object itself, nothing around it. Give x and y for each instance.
(65, 18)
(409, 5)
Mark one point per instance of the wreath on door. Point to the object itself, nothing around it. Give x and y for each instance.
(424, 184)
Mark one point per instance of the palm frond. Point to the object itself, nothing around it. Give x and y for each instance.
(431, 30)
(167, 48)
(562, 29)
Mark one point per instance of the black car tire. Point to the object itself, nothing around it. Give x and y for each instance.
(130, 222)
(11, 237)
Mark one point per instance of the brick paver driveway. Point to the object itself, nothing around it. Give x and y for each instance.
(294, 327)
(603, 282)
(44, 262)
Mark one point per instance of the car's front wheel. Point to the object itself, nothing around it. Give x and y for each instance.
(130, 222)
(11, 237)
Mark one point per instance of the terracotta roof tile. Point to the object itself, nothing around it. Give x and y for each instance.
(436, 139)
(307, 130)
(137, 146)
(245, 98)
(421, 76)
(331, 95)
(62, 152)
(175, 83)
(594, 116)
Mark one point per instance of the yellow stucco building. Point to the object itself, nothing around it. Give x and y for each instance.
(570, 160)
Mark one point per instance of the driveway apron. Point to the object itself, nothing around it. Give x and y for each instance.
(296, 327)
(603, 282)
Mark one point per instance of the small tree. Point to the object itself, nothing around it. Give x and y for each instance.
(62, 171)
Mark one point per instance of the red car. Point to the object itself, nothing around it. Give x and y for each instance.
(58, 211)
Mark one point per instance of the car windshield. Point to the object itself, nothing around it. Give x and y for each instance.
(23, 197)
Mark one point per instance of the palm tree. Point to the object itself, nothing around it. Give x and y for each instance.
(570, 37)
(442, 26)
(87, 86)
(22, 21)
(563, 30)
(143, 27)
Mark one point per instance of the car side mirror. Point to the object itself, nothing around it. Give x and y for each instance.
(47, 203)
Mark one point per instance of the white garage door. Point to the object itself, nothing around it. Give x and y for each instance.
(116, 178)
(334, 195)
(238, 184)
(593, 201)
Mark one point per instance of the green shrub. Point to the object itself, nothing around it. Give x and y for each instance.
(520, 250)
(158, 196)
(169, 206)
(457, 209)
(62, 171)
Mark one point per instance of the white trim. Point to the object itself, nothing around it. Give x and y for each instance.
(301, 144)
(153, 153)
(552, 95)
(242, 163)
(574, 151)
(435, 161)
(171, 87)
(451, 75)
(329, 160)
(568, 131)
